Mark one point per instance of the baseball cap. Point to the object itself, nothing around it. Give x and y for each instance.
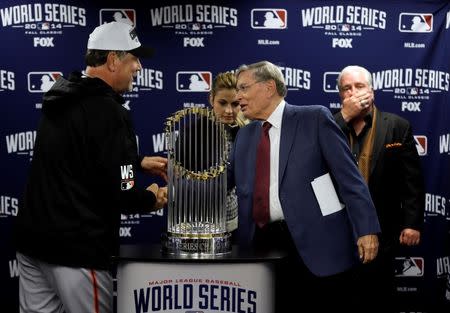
(117, 36)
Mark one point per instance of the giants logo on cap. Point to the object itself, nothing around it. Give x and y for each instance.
(42, 81)
(409, 266)
(193, 81)
(133, 35)
(415, 22)
(127, 16)
(269, 18)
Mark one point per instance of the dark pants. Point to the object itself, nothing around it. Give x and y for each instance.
(374, 283)
(296, 287)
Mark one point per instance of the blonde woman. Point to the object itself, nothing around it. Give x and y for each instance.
(223, 99)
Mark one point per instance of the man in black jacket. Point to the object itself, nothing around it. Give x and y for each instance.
(385, 150)
(81, 178)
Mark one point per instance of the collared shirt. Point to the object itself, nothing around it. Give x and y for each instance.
(275, 119)
(358, 140)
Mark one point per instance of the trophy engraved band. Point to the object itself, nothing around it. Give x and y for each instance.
(197, 149)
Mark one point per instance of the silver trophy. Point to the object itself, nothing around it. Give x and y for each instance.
(197, 148)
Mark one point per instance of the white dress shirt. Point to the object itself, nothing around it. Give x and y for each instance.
(275, 119)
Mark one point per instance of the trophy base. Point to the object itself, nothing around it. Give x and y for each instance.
(196, 246)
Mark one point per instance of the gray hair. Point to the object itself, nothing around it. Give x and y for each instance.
(355, 68)
(96, 58)
(264, 71)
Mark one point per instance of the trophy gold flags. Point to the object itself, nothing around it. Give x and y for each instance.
(197, 149)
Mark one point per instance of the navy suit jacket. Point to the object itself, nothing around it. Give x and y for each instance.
(311, 145)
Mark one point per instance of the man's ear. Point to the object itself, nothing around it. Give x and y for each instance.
(111, 61)
(271, 86)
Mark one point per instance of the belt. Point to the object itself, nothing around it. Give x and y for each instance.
(279, 225)
(275, 234)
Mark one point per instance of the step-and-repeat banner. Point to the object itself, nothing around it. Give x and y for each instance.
(404, 44)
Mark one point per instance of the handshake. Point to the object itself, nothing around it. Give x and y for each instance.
(156, 165)
(160, 195)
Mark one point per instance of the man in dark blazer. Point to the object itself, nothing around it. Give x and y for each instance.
(306, 147)
(387, 157)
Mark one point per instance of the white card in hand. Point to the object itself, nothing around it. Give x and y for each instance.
(326, 195)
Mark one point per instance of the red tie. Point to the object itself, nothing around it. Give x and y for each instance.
(261, 213)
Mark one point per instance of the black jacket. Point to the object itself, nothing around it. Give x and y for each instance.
(81, 177)
(396, 181)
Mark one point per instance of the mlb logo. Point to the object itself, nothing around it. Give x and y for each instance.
(194, 26)
(421, 144)
(330, 82)
(412, 91)
(344, 27)
(409, 267)
(415, 22)
(193, 81)
(127, 185)
(42, 81)
(43, 26)
(269, 18)
(127, 16)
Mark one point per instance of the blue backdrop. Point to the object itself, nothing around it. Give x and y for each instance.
(404, 44)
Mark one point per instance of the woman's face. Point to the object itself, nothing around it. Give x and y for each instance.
(225, 105)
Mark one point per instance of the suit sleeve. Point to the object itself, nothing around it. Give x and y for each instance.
(341, 123)
(114, 148)
(230, 168)
(351, 187)
(412, 192)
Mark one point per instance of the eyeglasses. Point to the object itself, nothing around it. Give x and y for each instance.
(244, 88)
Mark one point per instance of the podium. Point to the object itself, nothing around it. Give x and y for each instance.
(149, 280)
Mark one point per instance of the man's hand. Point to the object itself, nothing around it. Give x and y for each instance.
(160, 194)
(410, 237)
(367, 248)
(155, 165)
(357, 105)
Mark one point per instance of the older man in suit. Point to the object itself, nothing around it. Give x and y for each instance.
(287, 165)
(387, 158)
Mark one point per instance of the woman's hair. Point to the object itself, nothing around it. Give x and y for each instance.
(226, 80)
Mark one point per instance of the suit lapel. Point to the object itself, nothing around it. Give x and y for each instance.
(288, 126)
(380, 134)
(251, 144)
